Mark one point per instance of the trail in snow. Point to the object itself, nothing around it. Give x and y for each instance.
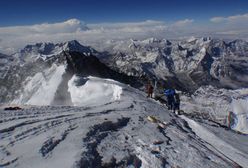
(229, 151)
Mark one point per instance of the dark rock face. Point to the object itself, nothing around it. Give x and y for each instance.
(202, 75)
(76, 63)
(82, 65)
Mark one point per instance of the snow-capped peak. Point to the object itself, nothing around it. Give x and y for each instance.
(192, 39)
(151, 40)
(74, 45)
(47, 50)
(73, 22)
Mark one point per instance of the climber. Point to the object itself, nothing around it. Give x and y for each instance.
(176, 105)
(169, 93)
(149, 89)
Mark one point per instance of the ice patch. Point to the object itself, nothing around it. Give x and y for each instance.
(239, 107)
(95, 91)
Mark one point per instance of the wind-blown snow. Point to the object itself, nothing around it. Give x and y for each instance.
(239, 107)
(95, 91)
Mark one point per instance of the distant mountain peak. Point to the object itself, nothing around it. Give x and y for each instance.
(74, 45)
(46, 50)
(73, 42)
(72, 22)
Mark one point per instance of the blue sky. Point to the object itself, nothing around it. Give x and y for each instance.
(24, 12)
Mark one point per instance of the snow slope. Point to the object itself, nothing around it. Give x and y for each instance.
(220, 145)
(113, 133)
(84, 91)
(41, 88)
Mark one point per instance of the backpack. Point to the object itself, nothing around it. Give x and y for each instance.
(169, 92)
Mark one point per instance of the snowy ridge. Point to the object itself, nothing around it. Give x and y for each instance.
(47, 50)
(114, 134)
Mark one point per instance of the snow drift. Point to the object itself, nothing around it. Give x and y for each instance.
(95, 91)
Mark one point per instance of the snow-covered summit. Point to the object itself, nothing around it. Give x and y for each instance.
(75, 46)
(47, 50)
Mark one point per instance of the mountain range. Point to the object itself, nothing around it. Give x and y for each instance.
(193, 62)
(185, 65)
(89, 105)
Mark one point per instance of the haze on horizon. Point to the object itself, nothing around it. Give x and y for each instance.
(26, 22)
